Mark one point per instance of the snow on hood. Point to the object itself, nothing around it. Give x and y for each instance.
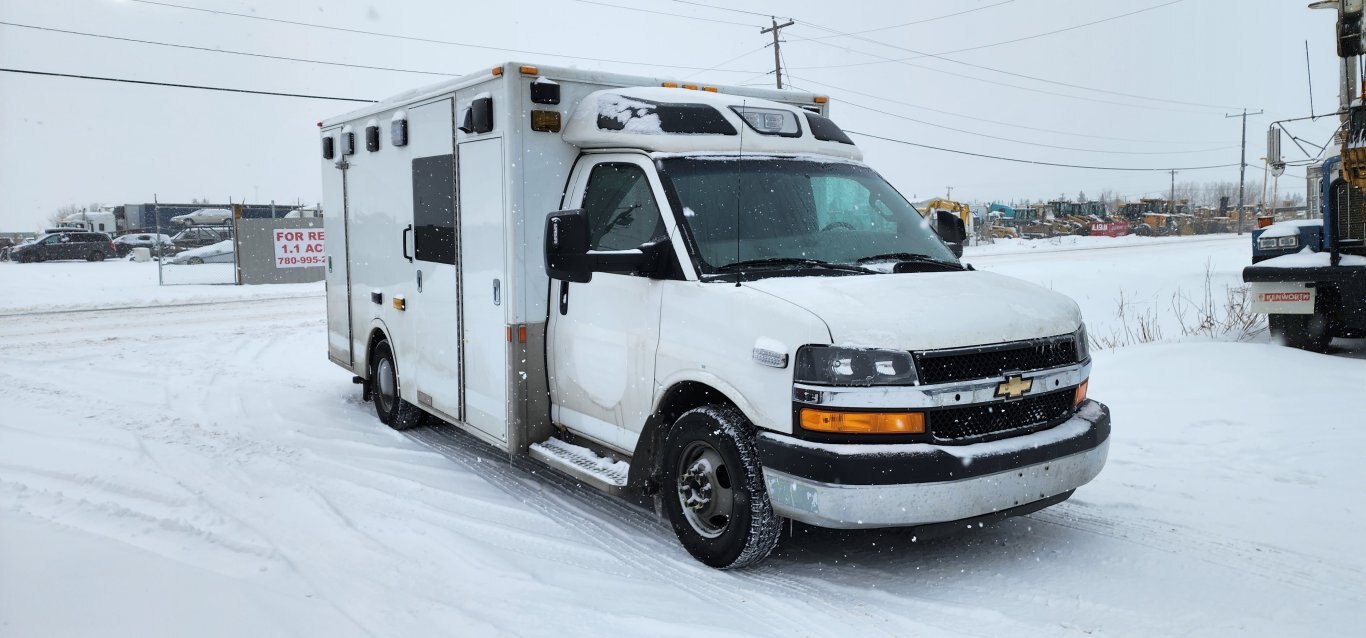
(921, 311)
(1289, 228)
(1307, 258)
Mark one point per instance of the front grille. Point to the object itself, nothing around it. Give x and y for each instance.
(990, 419)
(985, 362)
(1351, 212)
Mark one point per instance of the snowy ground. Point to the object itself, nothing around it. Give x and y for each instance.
(203, 470)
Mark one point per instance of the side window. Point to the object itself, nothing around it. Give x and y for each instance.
(434, 209)
(622, 213)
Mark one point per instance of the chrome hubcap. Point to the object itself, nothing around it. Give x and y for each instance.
(705, 490)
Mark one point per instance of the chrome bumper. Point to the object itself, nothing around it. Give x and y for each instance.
(1007, 485)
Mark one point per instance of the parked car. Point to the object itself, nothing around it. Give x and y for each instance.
(126, 243)
(305, 212)
(83, 245)
(219, 253)
(203, 216)
(197, 237)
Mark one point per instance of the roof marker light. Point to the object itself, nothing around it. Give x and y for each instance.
(709, 89)
(691, 87)
(821, 99)
(669, 85)
(527, 69)
(497, 71)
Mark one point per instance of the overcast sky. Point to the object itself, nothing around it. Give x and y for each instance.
(68, 141)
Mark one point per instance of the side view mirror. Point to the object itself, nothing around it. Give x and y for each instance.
(952, 230)
(566, 246)
(568, 256)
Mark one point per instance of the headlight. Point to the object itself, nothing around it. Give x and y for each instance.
(1266, 243)
(1288, 242)
(832, 365)
(1083, 343)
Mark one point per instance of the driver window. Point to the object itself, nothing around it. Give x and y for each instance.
(621, 208)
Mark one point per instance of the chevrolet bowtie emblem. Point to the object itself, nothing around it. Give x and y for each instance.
(1014, 387)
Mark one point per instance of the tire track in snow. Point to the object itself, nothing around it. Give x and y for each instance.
(629, 545)
(1271, 563)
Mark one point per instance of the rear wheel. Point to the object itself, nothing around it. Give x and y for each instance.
(392, 410)
(95, 255)
(714, 489)
(1306, 332)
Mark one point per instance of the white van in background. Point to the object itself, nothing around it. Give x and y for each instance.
(730, 314)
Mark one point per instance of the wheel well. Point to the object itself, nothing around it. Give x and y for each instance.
(680, 398)
(376, 336)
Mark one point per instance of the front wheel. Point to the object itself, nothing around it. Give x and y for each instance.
(392, 410)
(714, 489)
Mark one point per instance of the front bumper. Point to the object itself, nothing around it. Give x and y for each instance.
(853, 486)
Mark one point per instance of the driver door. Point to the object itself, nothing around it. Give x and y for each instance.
(604, 334)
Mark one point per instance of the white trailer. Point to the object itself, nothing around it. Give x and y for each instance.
(730, 314)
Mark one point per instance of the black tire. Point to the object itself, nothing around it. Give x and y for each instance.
(194, 260)
(95, 255)
(709, 453)
(1305, 332)
(37, 257)
(392, 410)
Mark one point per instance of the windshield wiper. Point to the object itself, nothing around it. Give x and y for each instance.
(910, 257)
(778, 262)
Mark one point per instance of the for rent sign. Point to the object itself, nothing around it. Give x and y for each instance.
(298, 248)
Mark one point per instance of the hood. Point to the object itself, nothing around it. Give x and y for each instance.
(926, 311)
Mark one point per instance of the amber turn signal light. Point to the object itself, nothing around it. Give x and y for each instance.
(1081, 393)
(863, 422)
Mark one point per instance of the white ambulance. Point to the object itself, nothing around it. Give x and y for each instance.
(697, 296)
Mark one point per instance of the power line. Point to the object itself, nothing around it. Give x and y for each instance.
(1037, 162)
(921, 21)
(990, 121)
(1006, 84)
(226, 51)
(666, 13)
(183, 86)
(940, 56)
(1027, 143)
(730, 9)
(397, 36)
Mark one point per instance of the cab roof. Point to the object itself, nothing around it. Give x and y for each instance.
(676, 120)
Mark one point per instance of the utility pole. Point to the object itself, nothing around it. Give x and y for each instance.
(777, 52)
(950, 195)
(1242, 165)
(1171, 203)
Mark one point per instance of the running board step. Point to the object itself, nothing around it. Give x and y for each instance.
(583, 464)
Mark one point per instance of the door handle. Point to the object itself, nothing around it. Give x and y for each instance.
(407, 230)
(564, 297)
(419, 281)
(497, 292)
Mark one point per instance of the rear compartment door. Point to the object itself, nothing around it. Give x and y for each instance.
(436, 304)
(338, 275)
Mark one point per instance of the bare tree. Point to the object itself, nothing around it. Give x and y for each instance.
(55, 217)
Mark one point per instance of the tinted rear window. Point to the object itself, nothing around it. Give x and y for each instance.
(825, 130)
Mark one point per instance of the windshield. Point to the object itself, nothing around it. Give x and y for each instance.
(776, 210)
